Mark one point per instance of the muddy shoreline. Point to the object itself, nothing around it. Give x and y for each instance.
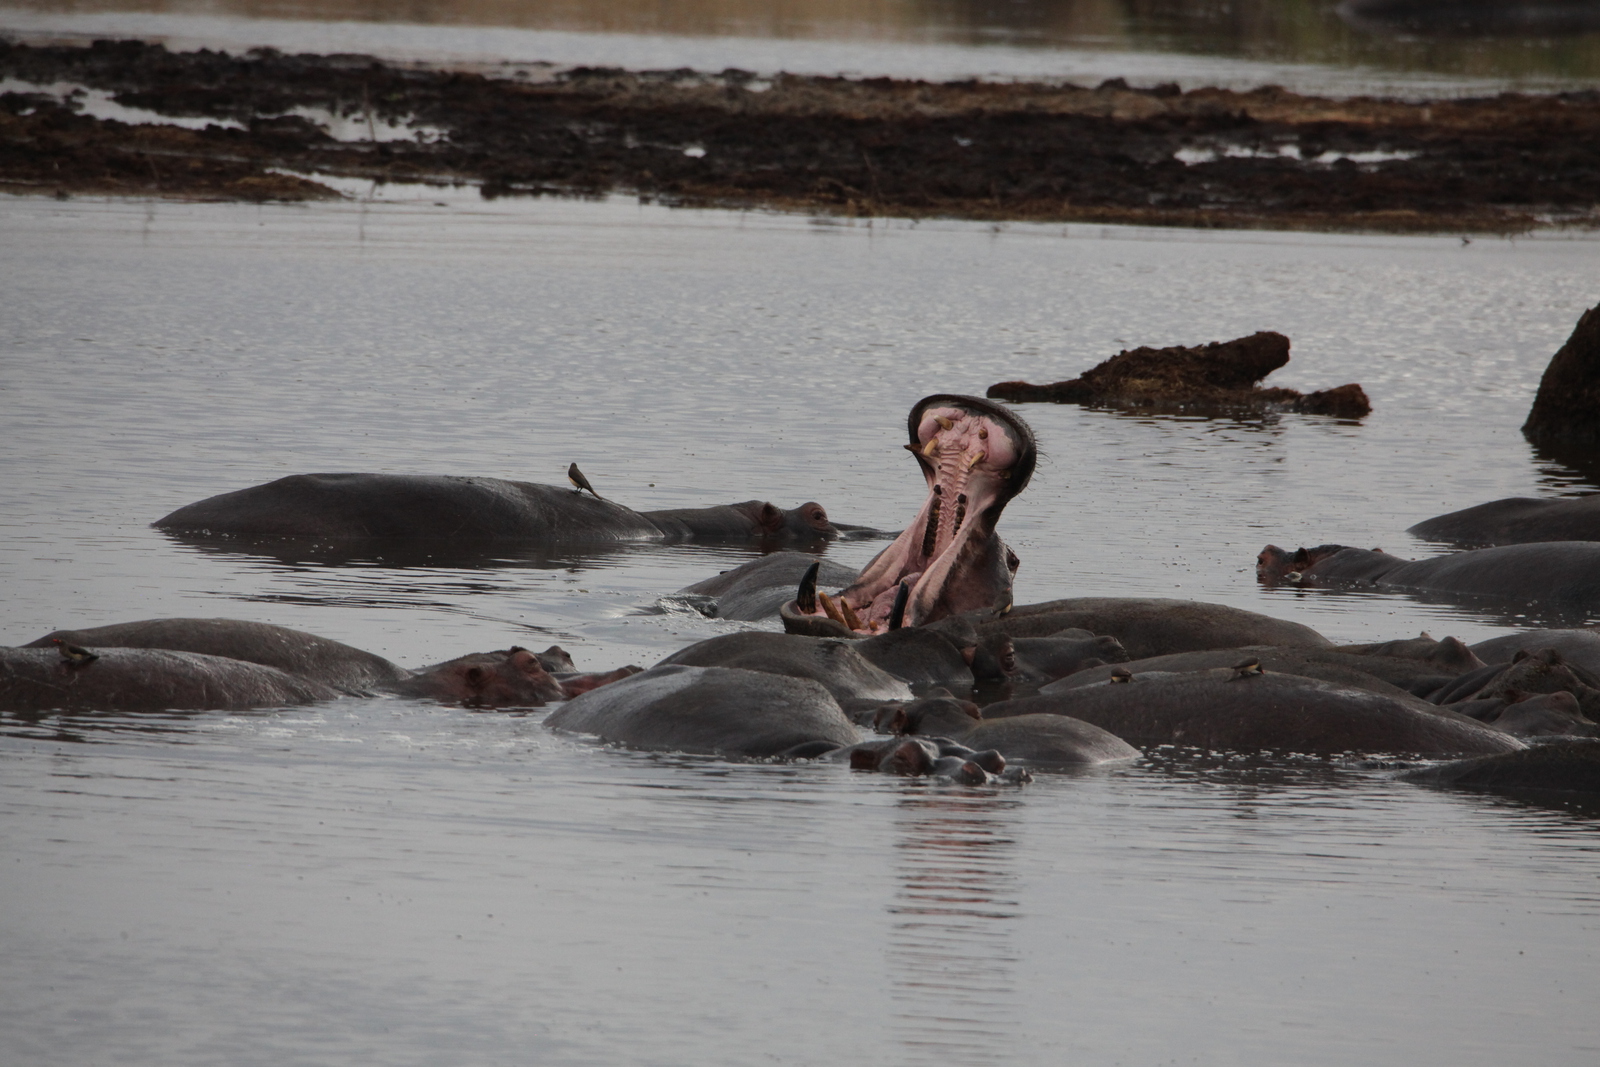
(974, 150)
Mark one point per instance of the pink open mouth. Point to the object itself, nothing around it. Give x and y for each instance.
(975, 456)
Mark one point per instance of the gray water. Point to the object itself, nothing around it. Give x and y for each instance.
(393, 882)
(1305, 45)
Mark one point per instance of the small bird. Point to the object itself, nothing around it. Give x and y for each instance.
(74, 655)
(1121, 674)
(1249, 668)
(575, 476)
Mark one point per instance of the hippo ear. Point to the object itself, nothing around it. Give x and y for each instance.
(770, 517)
(474, 677)
(1301, 556)
(526, 662)
(1521, 655)
(972, 709)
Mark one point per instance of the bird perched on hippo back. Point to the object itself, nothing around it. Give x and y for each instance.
(76, 655)
(579, 482)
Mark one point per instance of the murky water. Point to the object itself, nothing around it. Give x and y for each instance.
(391, 882)
(1312, 45)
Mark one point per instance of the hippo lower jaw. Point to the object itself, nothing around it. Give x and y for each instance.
(975, 456)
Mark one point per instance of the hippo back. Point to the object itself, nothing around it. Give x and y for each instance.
(708, 710)
(144, 679)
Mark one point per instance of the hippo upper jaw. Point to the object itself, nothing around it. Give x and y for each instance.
(975, 456)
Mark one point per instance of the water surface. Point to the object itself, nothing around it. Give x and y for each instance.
(1312, 45)
(387, 881)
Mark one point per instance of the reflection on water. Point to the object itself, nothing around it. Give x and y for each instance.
(1570, 470)
(1403, 35)
(952, 954)
(460, 554)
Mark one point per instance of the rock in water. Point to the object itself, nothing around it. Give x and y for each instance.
(1566, 410)
(1223, 374)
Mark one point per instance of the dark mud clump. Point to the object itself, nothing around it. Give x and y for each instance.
(1223, 375)
(1208, 157)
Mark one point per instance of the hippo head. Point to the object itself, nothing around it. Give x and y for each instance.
(975, 456)
(1274, 564)
(942, 714)
(808, 521)
(513, 678)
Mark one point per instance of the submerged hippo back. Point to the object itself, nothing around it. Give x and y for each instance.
(837, 665)
(1219, 710)
(708, 710)
(1155, 626)
(304, 655)
(142, 679)
(354, 507)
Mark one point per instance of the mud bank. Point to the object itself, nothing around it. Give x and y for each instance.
(1055, 153)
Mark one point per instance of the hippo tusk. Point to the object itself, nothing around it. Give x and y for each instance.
(902, 596)
(832, 609)
(806, 597)
(944, 423)
(931, 447)
(851, 619)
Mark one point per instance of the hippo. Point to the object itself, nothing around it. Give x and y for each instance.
(1541, 671)
(837, 665)
(1154, 626)
(1041, 740)
(922, 656)
(1041, 660)
(1391, 676)
(1515, 520)
(758, 589)
(1579, 648)
(975, 456)
(1561, 766)
(347, 508)
(192, 661)
(717, 711)
(1248, 710)
(1560, 576)
(933, 757)
(146, 679)
(304, 655)
(1524, 715)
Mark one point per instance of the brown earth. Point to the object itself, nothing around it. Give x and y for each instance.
(977, 150)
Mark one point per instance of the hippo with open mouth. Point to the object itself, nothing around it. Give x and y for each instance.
(975, 456)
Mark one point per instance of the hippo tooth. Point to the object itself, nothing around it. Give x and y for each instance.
(972, 461)
(897, 615)
(832, 609)
(931, 447)
(944, 423)
(851, 619)
(806, 596)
